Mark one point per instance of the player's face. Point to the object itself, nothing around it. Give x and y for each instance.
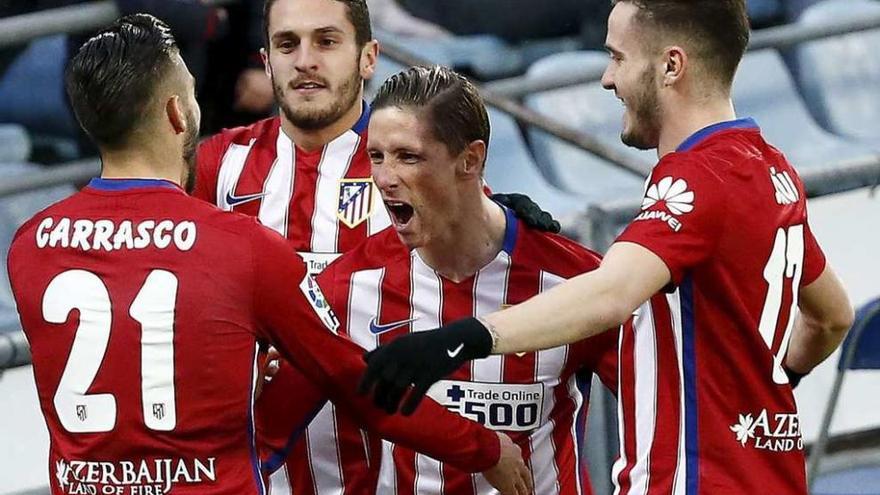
(632, 76)
(316, 67)
(415, 173)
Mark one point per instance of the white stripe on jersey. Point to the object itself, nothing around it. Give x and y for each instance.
(324, 452)
(387, 470)
(622, 461)
(426, 300)
(575, 393)
(674, 301)
(279, 482)
(645, 359)
(379, 220)
(490, 289)
(333, 167)
(230, 170)
(364, 304)
(549, 364)
(278, 186)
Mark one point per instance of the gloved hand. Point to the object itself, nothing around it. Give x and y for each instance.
(528, 211)
(419, 360)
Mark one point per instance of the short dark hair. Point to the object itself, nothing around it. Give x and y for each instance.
(718, 28)
(456, 112)
(358, 14)
(112, 78)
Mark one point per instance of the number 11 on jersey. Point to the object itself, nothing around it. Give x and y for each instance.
(785, 264)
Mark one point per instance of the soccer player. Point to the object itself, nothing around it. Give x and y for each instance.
(453, 252)
(306, 175)
(715, 266)
(143, 306)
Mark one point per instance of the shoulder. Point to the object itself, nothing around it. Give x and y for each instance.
(56, 209)
(241, 136)
(553, 252)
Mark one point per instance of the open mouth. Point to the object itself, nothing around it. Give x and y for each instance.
(401, 213)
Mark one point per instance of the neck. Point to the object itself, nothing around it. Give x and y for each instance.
(314, 139)
(470, 243)
(690, 117)
(141, 164)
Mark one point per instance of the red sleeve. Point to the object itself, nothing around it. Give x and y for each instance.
(292, 319)
(208, 158)
(683, 214)
(814, 258)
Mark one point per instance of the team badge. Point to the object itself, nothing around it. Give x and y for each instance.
(355, 201)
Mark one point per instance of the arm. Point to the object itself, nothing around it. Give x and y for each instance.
(825, 316)
(583, 306)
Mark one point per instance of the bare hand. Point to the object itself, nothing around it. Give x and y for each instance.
(510, 476)
(253, 92)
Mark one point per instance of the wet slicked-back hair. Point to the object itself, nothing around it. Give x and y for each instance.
(112, 78)
(454, 109)
(717, 29)
(357, 11)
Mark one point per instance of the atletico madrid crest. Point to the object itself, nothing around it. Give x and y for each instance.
(355, 201)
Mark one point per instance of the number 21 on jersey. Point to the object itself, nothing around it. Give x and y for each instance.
(153, 308)
(786, 264)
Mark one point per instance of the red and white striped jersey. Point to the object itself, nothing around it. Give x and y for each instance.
(382, 290)
(705, 406)
(323, 201)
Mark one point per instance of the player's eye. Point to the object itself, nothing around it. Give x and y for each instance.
(375, 156)
(327, 42)
(409, 157)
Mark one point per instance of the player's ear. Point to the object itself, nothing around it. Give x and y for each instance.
(264, 56)
(369, 56)
(474, 158)
(175, 114)
(675, 64)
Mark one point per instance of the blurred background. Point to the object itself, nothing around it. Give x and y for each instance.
(811, 80)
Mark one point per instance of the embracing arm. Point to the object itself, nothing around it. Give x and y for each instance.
(584, 305)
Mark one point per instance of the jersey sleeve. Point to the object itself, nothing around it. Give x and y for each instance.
(814, 258)
(683, 214)
(289, 314)
(208, 158)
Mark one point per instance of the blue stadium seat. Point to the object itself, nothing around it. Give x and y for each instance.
(765, 90)
(594, 110)
(763, 12)
(15, 144)
(510, 168)
(860, 351)
(14, 211)
(840, 76)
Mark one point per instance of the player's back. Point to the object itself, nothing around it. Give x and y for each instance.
(137, 303)
(727, 215)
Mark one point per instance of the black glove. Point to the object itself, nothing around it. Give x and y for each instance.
(420, 359)
(528, 211)
(794, 378)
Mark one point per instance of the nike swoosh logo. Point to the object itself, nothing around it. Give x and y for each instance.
(233, 200)
(376, 328)
(454, 353)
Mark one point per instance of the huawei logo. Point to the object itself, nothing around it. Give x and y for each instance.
(673, 194)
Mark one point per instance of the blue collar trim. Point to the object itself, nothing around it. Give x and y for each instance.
(102, 184)
(510, 231)
(697, 137)
(361, 125)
